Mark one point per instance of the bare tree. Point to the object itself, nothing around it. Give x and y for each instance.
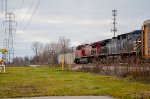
(21, 61)
(26, 58)
(37, 49)
(51, 51)
(64, 44)
(48, 53)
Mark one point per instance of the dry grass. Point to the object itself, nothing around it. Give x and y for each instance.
(50, 81)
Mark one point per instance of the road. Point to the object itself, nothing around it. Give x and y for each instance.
(66, 97)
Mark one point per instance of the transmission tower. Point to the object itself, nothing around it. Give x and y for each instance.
(114, 29)
(9, 35)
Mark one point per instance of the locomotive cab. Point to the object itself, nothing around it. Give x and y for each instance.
(82, 53)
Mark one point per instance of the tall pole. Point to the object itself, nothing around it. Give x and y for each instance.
(114, 29)
(9, 35)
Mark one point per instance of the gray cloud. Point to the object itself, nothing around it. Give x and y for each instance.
(79, 20)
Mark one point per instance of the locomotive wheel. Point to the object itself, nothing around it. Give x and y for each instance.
(77, 61)
(89, 60)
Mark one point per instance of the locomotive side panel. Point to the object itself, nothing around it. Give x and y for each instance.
(87, 49)
(132, 41)
(130, 38)
(78, 54)
(127, 42)
(112, 46)
(96, 49)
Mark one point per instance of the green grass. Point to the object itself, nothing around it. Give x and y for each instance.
(46, 81)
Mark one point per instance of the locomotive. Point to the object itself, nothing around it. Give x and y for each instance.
(132, 47)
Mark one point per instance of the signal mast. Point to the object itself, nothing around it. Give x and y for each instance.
(114, 29)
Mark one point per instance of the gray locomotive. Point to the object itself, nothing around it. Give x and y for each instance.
(130, 47)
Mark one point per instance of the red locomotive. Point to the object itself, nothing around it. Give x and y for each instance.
(85, 53)
(132, 46)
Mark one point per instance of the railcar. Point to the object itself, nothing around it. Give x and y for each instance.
(87, 52)
(83, 53)
(128, 46)
(145, 49)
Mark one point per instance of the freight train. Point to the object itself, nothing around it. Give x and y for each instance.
(132, 47)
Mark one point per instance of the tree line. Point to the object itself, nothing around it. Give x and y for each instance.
(45, 54)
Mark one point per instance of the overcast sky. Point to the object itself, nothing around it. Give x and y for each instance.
(79, 20)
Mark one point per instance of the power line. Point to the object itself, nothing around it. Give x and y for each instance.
(31, 16)
(27, 11)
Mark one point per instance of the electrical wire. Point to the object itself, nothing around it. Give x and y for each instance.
(27, 12)
(31, 16)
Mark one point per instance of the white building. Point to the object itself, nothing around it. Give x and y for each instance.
(68, 58)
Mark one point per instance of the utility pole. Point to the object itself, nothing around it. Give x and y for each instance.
(114, 29)
(9, 35)
(9, 23)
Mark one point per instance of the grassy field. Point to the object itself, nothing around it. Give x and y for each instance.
(50, 81)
